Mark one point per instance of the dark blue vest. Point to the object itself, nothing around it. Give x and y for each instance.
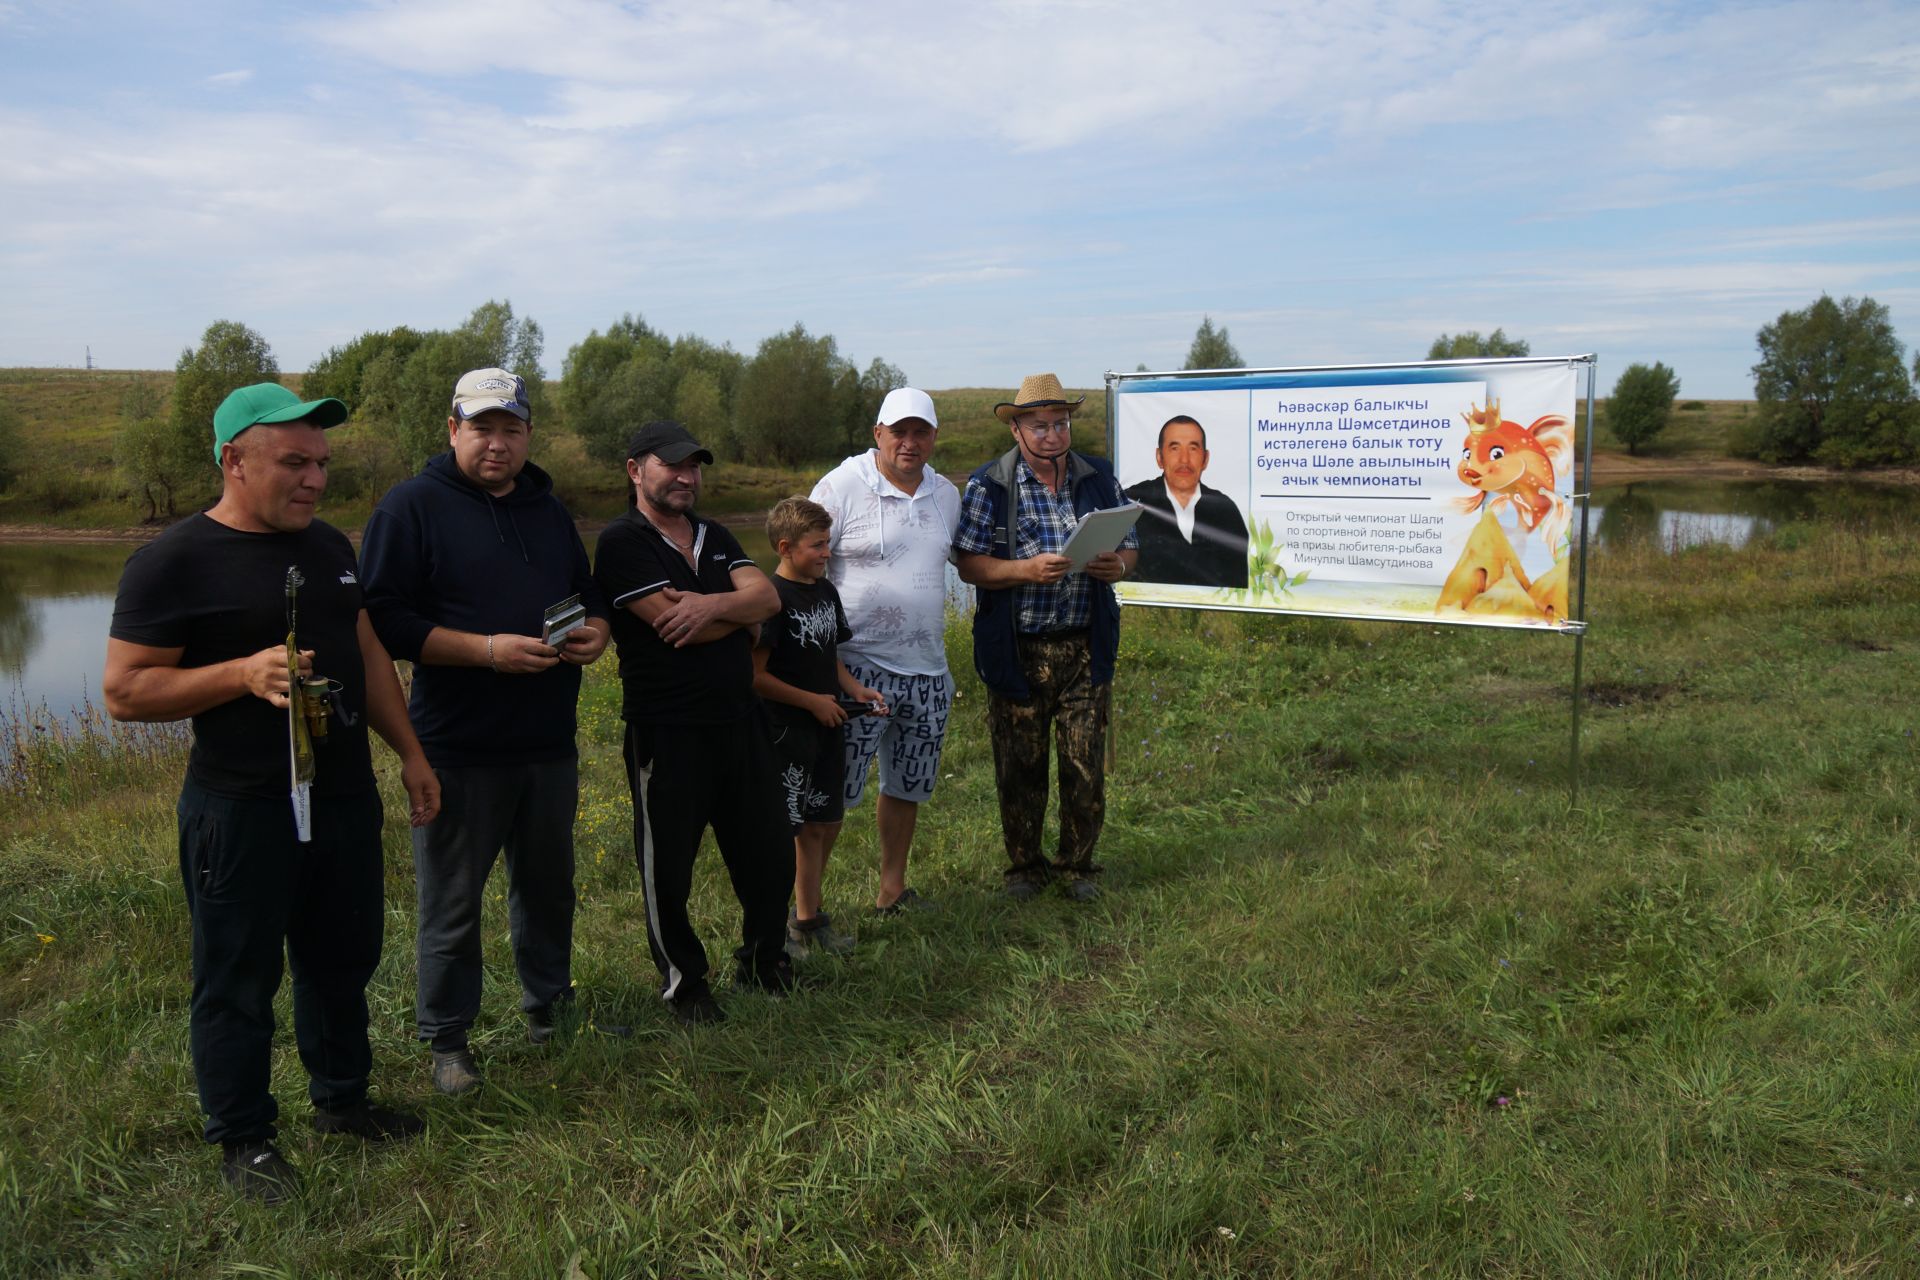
(996, 654)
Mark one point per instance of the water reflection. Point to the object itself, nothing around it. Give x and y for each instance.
(19, 627)
(56, 600)
(1677, 514)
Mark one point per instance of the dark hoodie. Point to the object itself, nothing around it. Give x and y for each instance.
(440, 551)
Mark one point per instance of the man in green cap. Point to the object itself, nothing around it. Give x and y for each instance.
(199, 631)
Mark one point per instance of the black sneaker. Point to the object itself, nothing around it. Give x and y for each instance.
(375, 1124)
(908, 901)
(699, 1009)
(545, 1022)
(258, 1171)
(778, 982)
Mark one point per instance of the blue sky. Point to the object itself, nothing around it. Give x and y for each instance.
(973, 192)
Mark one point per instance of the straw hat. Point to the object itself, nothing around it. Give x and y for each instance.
(1039, 391)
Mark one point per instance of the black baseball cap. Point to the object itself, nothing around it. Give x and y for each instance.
(668, 441)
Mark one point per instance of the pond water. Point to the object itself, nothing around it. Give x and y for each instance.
(56, 599)
(1676, 514)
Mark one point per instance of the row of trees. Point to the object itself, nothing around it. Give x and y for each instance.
(1832, 386)
(797, 399)
(402, 379)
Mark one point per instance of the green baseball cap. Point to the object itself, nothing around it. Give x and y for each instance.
(265, 403)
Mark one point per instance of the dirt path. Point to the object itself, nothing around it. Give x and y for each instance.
(46, 533)
(1619, 468)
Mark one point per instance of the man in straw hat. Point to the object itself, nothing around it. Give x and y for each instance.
(200, 630)
(1044, 636)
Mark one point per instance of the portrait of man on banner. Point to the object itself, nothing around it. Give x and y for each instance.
(1190, 534)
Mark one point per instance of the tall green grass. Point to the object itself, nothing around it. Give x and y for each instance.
(1365, 996)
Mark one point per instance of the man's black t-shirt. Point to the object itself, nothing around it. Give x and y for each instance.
(216, 594)
(700, 683)
(804, 638)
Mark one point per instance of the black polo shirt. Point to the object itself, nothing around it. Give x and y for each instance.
(700, 683)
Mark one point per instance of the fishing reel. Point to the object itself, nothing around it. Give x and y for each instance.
(318, 699)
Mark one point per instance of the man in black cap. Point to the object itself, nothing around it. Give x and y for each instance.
(686, 601)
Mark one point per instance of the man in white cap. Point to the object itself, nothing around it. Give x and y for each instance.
(463, 564)
(894, 518)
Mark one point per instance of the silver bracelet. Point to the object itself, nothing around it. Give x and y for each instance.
(490, 665)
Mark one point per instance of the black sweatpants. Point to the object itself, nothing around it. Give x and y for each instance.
(253, 889)
(684, 779)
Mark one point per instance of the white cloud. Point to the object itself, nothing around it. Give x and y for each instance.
(1348, 179)
(1815, 235)
(970, 275)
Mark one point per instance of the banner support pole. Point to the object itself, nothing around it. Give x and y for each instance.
(1113, 451)
(1580, 602)
(1579, 641)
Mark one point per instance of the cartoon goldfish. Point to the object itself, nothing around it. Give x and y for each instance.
(1515, 465)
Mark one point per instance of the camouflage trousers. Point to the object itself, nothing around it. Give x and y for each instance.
(1062, 698)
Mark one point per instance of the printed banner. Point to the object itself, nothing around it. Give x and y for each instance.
(1440, 493)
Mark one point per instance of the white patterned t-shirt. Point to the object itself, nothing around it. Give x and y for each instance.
(890, 555)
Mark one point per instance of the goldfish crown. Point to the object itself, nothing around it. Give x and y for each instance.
(1481, 421)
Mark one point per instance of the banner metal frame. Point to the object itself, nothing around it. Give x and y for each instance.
(1587, 363)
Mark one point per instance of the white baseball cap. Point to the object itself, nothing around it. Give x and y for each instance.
(485, 389)
(905, 402)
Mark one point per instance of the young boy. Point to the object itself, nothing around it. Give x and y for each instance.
(807, 689)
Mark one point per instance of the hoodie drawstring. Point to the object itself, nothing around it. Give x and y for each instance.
(493, 508)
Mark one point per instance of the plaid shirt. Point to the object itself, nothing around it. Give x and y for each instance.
(1046, 522)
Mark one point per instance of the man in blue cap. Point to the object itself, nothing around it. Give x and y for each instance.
(200, 630)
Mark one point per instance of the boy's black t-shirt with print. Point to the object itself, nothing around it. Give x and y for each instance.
(216, 594)
(803, 639)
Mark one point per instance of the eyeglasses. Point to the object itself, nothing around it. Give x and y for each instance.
(1049, 428)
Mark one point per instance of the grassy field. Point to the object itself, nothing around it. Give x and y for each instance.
(1697, 428)
(1366, 997)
